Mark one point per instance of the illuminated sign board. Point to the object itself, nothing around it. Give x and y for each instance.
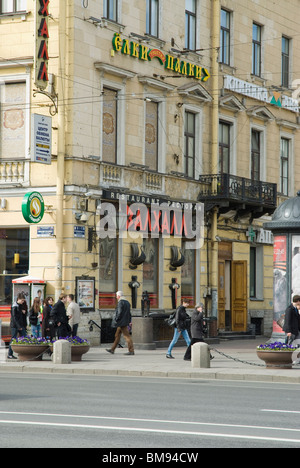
(169, 62)
(41, 43)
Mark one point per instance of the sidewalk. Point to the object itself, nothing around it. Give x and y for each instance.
(153, 363)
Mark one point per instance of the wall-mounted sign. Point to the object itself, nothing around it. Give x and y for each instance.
(260, 236)
(142, 52)
(41, 43)
(261, 94)
(45, 231)
(41, 138)
(79, 231)
(33, 207)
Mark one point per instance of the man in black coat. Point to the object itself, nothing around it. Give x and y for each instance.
(17, 321)
(292, 319)
(121, 320)
(59, 316)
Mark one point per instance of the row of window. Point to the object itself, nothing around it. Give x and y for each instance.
(257, 49)
(191, 153)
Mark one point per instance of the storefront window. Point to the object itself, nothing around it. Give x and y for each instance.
(150, 270)
(14, 260)
(188, 274)
(108, 272)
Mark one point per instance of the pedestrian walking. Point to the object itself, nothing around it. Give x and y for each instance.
(73, 312)
(17, 322)
(60, 318)
(122, 320)
(292, 320)
(47, 323)
(197, 334)
(181, 325)
(35, 318)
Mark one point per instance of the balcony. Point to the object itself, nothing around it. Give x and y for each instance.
(233, 193)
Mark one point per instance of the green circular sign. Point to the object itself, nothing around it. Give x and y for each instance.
(33, 207)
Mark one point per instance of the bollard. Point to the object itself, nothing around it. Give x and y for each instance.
(200, 355)
(61, 352)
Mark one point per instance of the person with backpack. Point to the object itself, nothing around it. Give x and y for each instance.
(181, 325)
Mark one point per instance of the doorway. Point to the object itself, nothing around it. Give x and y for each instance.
(232, 295)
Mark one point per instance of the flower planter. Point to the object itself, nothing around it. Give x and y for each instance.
(29, 352)
(77, 351)
(276, 359)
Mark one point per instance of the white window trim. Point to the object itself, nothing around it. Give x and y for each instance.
(291, 181)
(233, 142)
(161, 147)
(198, 140)
(263, 145)
(121, 120)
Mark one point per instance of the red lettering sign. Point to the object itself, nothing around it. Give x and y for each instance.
(43, 31)
(44, 7)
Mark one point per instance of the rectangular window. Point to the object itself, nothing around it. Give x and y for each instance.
(152, 17)
(189, 143)
(111, 10)
(285, 62)
(151, 135)
(255, 155)
(109, 125)
(256, 50)
(190, 24)
(225, 37)
(12, 6)
(13, 118)
(224, 147)
(284, 166)
(12, 241)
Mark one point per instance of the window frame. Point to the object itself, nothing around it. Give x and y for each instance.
(257, 50)
(225, 31)
(108, 4)
(14, 11)
(223, 145)
(284, 163)
(256, 154)
(190, 36)
(285, 62)
(152, 26)
(187, 136)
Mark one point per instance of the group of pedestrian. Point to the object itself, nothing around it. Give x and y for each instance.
(46, 319)
(182, 323)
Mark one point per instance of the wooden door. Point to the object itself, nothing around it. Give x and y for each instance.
(239, 296)
(221, 295)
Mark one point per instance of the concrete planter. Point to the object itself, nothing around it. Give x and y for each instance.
(276, 359)
(29, 352)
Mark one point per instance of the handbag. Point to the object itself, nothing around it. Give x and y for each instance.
(171, 321)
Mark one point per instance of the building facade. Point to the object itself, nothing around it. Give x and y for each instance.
(150, 113)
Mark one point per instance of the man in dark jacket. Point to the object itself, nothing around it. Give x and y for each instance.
(59, 316)
(292, 319)
(121, 320)
(18, 311)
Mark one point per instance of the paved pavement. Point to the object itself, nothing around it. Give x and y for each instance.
(153, 363)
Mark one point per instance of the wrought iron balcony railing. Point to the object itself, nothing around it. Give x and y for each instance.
(238, 192)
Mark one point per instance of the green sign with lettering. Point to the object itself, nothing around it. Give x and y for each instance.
(33, 207)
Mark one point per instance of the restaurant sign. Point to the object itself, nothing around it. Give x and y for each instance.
(169, 62)
(41, 43)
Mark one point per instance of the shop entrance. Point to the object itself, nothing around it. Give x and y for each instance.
(232, 295)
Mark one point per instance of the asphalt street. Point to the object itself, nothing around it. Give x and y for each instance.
(118, 412)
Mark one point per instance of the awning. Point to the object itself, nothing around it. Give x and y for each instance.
(28, 280)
